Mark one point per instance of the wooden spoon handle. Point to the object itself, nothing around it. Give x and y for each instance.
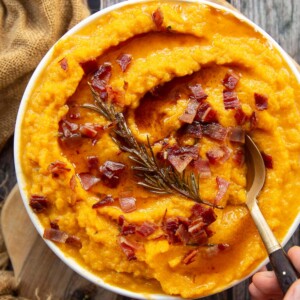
(283, 268)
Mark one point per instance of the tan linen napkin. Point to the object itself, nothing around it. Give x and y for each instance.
(28, 28)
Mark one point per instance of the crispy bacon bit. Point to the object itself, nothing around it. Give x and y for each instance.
(146, 229)
(74, 241)
(100, 79)
(68, 129)
(198, 92)
(206, 114)
(222, 189)
(216, 248)
(231, 80)
(64, 64)
(170, 226)
(103, 202)
(192, 130)
(124, 60)
(88, 130)
(55, 235)
(214, 131)
(239, 157)
(128, 248)
(202, 167)
(73, 183)
(54, 225)
(181, 157)
(218, 155)
(121, 220)
(38, 203)
(89, 66)
(128, 229)
(58, 167)
(261, 101)
(230, 99)
(253, 120)
(190, 257)
(88, 180)
(237, 135)
(92, 162)
(158, 18)
(268, 160)
(111, 172)
(190, 112)
(206, 213)
(127, 204)
(182, 233)
(240, 117)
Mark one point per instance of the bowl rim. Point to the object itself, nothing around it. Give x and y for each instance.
(70, 262)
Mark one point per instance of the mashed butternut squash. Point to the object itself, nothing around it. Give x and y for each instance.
(190, 81)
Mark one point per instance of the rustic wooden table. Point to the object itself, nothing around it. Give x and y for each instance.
(281, 19)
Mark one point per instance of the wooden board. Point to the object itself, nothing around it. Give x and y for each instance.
(40, 271)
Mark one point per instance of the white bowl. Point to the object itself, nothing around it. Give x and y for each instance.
(20, 177)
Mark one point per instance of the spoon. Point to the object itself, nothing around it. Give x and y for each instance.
(256, 174)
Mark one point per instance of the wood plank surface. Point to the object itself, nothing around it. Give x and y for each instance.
(281, 19)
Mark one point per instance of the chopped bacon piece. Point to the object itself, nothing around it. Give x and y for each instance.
(103, 202)
(190, 257)
(206, 114)
(239, 157)
(192, 130)
(261, 101)
(128, 229)
(206, 213)
(58, 167)
(237, 135)
(253, 120)
(183, 234)
(54, 225)
(240, 117)
(268, 160)
(74, 241)
(218, 154)
(128, 248)
(68, 129)
(121, 220)
(73, 183)
(111, 172)
(88, 180)
(124, 60)
(197, 92)
(196, 226)
(88, 130)
(38, 203)
(190, 112)
(222, 189)
(170, 226)
(214, 131)
(231, 80)
(181, 157)
(92, 162)
(64, 64)
(100, 79)
(89, 66)
(202, 167)
(146, 229)
(128, 204)
(158, 18)
(55, 235)
(216, 248)
(230, 99)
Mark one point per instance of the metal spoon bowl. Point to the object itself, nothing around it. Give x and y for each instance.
(256, 174)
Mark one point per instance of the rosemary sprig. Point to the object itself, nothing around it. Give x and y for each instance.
(157, 179)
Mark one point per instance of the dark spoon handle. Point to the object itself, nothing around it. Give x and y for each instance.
(284, 270)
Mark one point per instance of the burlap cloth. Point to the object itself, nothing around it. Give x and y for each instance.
(28, 29)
